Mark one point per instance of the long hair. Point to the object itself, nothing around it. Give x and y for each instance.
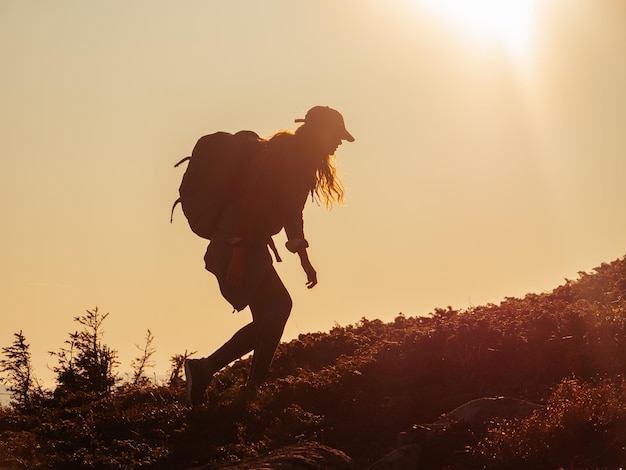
(326, 185)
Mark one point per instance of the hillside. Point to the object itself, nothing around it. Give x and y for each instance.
(356, 387)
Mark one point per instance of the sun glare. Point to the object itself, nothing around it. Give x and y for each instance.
(507, 22)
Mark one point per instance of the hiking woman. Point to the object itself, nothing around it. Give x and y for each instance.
(291, 167)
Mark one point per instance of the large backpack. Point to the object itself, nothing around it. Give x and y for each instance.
(217, 172)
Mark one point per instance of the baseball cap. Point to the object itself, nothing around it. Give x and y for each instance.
(328, 117)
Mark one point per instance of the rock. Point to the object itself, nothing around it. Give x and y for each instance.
(433, 445)
(483, 410)
(473, 415)
(305, 456)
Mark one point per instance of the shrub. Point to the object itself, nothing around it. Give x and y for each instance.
(583, 425)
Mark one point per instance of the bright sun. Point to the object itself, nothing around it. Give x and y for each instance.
(508, 22)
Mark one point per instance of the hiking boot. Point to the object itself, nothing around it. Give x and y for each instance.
(198, 378)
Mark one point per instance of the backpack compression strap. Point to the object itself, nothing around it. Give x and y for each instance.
(183, 160)
(177, 201)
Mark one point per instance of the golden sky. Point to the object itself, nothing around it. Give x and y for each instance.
(489, 157)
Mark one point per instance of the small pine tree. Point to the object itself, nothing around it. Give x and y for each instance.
(19, 378)
(144, 361)
(86, 365)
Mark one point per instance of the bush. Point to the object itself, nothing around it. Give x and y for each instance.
(583, 425)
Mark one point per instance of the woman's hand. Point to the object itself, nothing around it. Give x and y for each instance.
(311, 274)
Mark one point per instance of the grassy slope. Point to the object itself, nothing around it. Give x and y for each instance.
(356, 387)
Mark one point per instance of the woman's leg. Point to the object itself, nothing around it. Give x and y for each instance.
(242, 342)
(198, 372)
(270, 308)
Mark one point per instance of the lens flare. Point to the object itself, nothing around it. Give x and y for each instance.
(507, 22)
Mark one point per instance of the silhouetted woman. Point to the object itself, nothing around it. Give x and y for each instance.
(292, 167)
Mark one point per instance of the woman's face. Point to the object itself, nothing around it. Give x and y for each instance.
(328, 141)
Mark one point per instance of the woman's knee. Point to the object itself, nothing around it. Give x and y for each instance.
(284, 312)
(273, 312)
(279, 309)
